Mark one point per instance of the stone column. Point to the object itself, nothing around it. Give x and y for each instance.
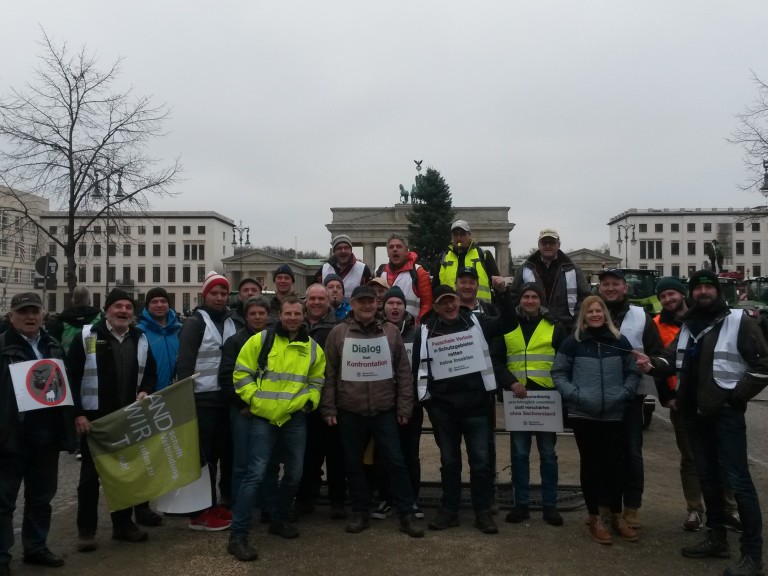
(369, 255)
(502, 257)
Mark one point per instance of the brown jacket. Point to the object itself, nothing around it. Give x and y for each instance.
(366, 398)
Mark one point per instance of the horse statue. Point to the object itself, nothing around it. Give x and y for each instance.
(415, 198)
(403, 195)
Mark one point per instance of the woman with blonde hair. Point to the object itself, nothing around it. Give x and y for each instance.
(595, 373)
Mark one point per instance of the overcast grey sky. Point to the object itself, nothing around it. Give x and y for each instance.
(568, 112)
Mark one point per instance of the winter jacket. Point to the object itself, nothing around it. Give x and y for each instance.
(117, 383)
(420, 289)
(319, 330)
(452, 260)
(597, 376)
(164, 342)
(366, 398)
(229, 352)
(291, 381)
(697, 389)
(554, 280)
(70, 322)
(22, 431)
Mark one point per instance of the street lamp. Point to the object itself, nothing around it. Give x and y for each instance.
(119, 196)
(237, 240)
(626, 228)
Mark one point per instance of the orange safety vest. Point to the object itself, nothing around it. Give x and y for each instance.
(668, 333)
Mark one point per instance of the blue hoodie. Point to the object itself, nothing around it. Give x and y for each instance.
(164, 342)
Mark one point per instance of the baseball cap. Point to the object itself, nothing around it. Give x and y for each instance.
(467, 271)
(443, 291)
(363, 292)
(25, 299)
(611, 272)
(462, 224)
(549, 233)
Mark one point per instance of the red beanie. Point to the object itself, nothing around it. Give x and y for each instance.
(214, 279)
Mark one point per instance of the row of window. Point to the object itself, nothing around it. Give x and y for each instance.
(18, 276)
(652, 249)
(691, 227)
(141, 274)
(97, 297)
(756, 269)
(141, 230)
(191, 251)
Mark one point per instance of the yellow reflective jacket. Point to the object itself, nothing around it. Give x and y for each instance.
(534, 360)
(450, 263)
(292, 380)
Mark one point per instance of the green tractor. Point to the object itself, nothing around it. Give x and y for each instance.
(641, 288)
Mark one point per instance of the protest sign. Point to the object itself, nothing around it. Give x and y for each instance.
(40, 384)
(540, 411)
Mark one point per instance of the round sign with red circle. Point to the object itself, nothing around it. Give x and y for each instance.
(46, 383)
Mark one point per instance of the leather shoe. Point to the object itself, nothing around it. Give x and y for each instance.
(147, 517)
(44, 558)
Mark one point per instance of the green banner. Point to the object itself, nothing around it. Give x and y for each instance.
(147, 448)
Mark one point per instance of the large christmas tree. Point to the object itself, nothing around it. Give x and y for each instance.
(430, 219)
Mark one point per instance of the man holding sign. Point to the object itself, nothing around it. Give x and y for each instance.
(35, 425)
(456, 383)
(522, 361)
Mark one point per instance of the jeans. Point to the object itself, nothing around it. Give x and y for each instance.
(600, 446)
(356, 431)
(88, 498)
(38, 467)
(266, 441)
(521, 467)
(410, 443)
(632, 473)
(449, 428)
(719, 442)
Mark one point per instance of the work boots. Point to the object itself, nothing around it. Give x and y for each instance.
(631, 517)
(598, 531)
(622, 528)
(714, 545)
(410, 526)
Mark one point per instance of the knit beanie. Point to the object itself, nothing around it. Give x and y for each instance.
(214, 279)
(704, 277)
(331, 278)
(156, 293)
(670, 283)
(341, 239)
(283, 269)
(394, 292)
(115, 295)
(532, 286)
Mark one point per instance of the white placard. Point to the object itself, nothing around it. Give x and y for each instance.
(190, 498)
(455, 355)
(540, 411)
(366, 359)
(40, 384)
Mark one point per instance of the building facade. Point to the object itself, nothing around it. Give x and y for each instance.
(677, 242)
(138, 251)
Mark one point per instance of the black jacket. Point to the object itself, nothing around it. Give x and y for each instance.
(24, 431)
(117, 386)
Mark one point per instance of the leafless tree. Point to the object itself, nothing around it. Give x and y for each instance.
(751, 134)
(68, 136)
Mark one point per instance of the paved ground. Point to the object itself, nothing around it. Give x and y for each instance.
(524, 549)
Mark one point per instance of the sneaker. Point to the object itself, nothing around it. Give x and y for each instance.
(240, 549)
(518, 514)
(444, 520)
(733, 522)
(382, 511)
(552, 516)
(78, 454)
(485, 523)
(713, 545)
(694, 522)
(359, 523)
(222, 512)
(409, 525)
(86, 542)
(747, 566)
(209, 522)
(283, 529)
(418, 512)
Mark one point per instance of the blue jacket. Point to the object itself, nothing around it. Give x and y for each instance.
(596, 377)
(164, 343)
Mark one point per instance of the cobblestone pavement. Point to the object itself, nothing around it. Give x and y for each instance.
(532, 548)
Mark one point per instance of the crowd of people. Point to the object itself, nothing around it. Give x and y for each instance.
(336, 385)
